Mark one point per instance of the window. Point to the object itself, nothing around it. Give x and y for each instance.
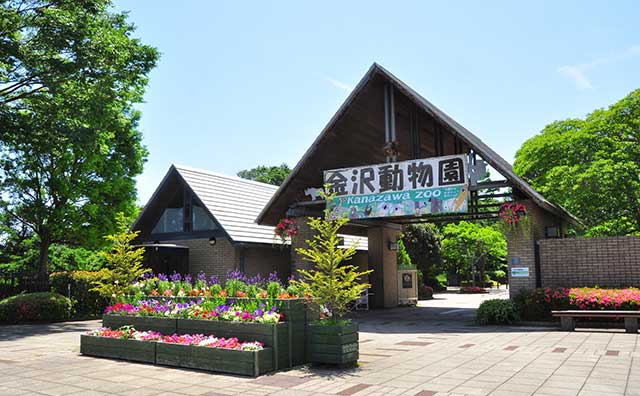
(201, 220)
(172, 219)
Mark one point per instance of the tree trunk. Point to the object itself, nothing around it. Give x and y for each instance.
(42, 277)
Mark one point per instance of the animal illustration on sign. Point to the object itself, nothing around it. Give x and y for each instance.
(313, 192)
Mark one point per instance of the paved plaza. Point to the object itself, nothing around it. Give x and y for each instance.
(433, 349)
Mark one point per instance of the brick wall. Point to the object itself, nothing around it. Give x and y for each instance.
(264, 260)
(212, 260)
(299, 241)
(521, 246)
(578, 262)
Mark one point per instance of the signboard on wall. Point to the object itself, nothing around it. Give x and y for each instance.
(408, 188)
(519, 272)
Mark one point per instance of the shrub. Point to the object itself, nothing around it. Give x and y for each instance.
(33, 307)
(425, 292)
(497, 311)
(438, 282)
(86, 302)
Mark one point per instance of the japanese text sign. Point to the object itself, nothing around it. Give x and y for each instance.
(408, 188)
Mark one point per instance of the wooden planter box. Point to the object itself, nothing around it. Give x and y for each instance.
(166, 326)
(115, 348)
(230, 361)
(334, 344)
(271, 335)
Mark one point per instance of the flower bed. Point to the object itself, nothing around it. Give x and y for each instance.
(236, 285)
(472, 290)
(197, 351)
(538, 304)
(234, 310)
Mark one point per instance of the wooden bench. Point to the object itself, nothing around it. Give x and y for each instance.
(568, 318)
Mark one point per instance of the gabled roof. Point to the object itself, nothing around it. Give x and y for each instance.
(279, 202)
(233, 202)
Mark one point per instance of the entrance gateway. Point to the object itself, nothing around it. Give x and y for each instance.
(393, 158)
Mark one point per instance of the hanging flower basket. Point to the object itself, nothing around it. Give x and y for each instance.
(514, 218)
(286, 230)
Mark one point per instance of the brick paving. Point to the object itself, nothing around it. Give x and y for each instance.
(443, 354)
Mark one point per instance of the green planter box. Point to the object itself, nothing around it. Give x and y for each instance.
(115, 348)
(252, 363)
(271, 335)
(165, 326)
(334, 344)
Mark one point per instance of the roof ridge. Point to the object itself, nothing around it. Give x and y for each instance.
(222, 175)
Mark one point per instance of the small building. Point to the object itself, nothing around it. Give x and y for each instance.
(212, 216)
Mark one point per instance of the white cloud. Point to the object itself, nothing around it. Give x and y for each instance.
(578, 73)
(339, 84)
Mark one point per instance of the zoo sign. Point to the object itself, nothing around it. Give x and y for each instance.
(407, 188)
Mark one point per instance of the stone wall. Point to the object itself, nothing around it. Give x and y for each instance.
(579, 262)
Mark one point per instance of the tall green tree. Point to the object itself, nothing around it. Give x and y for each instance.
(70, 148)
(468, 247)
(267, 174)
(591, 166)
(423, 244)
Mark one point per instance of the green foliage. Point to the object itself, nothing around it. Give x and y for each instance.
(86, 302)
(423, 245)
(591, 166)
(124, 263)
(497, 311)
(468, 246)
(33, 307)
(70, 148)
(404, 261)
(67, 258)
(331, 283)
(267, 174)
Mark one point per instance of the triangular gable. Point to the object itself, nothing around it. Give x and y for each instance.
(290, 191)
(155, 207)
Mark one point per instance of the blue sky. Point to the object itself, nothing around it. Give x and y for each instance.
(243, 84)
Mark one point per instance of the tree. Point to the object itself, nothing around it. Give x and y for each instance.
(422, 242)
(331, 283)
(70, 74)
(123, 262)
(267, 174)
(468, 247)
(591, 166)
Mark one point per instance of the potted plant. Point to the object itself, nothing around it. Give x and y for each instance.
(334, 286)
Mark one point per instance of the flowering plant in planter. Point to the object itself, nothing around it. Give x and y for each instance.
(285, 230)
(235, 311)
(237, 284)
(130, 333)
(513, 217)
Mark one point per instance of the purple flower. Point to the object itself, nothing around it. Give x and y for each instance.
(214, 280)
(273, 277)
(163, 277)
(292, 277)
(147, 275)
(258, 313)
(187, 278)
(236, 275)
(202, 277)
(176, 277)
(255, 280)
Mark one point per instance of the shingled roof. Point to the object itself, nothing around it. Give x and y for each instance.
(306, 173)
(233, 202)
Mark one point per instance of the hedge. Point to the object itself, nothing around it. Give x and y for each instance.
(35, 307)
(86, 302)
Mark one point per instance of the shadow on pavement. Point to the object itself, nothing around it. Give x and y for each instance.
(16, 332)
